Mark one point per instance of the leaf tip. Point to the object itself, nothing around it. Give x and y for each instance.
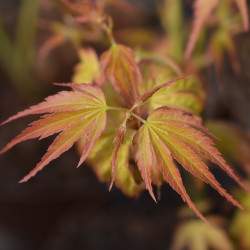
(24, 179)
(111, 184)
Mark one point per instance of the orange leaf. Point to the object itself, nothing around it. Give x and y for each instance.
(48, 125)
(84, 97)
(62, 143)
(148, 147)
(144, 156)
(77, 113)
(170, 134)
(90, 138)
(195, 139)
(121, 70)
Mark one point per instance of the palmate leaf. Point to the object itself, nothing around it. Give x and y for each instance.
(168, 135)
(80, 113)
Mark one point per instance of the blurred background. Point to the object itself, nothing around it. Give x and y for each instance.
(68, 208)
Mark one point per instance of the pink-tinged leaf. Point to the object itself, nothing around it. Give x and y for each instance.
(87, 90)
(156, 173)
(62, 143)
(144, 156)
(201, 145)
(164, 137)
(128, 57)
(242, 5)
(54, 41)
(192, 163)
(202, 12)
(119, 136)
(121, 70)
(167, 114)
(77, 113)
(183, 142)
(90, 138)
(149, 93)
(48, 125)
(170, 172)
(61, 102)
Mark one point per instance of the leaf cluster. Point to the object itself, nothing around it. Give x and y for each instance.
(153, 122)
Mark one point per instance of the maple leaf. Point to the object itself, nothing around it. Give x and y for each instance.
(199, 236)
(80, 113)
(170, 134)
(120, 68)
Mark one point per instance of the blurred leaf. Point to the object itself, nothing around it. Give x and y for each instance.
(171, 16)
(242, 5)
(196, 235)
(220, 43)
(240, 227)
(202, 12)
(88, 67)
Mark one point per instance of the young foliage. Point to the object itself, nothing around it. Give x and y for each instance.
(167, 136)
(121, 70)
(78, 113)
(196, 235)
(170, 135)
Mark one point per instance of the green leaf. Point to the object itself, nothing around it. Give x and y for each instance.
(100, 161)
